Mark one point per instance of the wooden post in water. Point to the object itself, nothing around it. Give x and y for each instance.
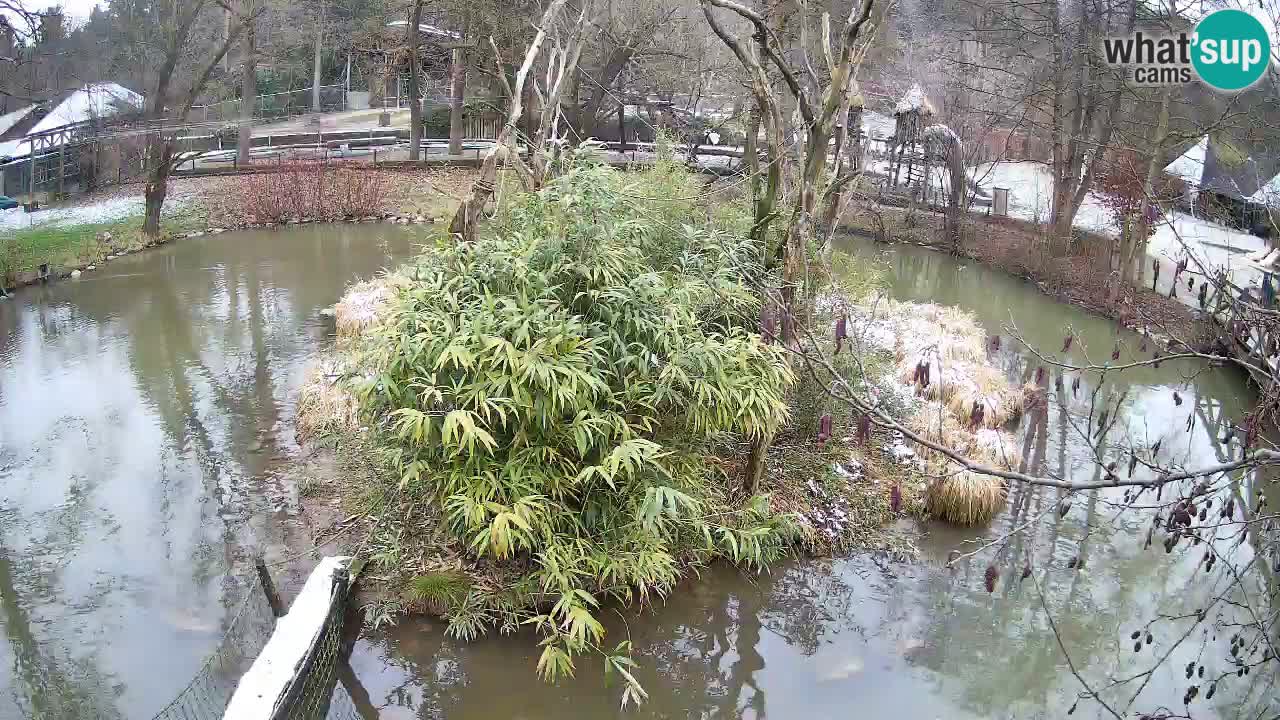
(268, 586)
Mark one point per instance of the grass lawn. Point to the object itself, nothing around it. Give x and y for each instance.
(66, 247)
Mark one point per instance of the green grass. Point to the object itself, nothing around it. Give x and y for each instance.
(66, 247)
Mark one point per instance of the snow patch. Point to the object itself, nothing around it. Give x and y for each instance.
(269, 677)
(103, 211)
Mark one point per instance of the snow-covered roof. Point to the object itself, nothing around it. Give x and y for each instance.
(91, 101)
(427, 29)
(914, 101)
(10, 119)
(1268, 194)
(1189, 166)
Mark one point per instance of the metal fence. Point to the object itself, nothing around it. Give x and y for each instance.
(315, 683)
(274, 106)
(209, 691)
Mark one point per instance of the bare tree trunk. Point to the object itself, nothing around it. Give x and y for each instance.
(248, 90)
(159, 158)
(315, 71)
(1141, 228)
(457, 89)
(414, 38)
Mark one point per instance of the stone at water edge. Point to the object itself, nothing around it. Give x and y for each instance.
(91, 267)
(75, 274)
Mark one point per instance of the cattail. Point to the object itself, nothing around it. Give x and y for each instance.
(991, 576)
(1040, 375)
(824, 428)
(1177, 399)
(842, 332)
(768, 326)
(1066, 342)
(1115, 352)
(864, 429)
(895, 499)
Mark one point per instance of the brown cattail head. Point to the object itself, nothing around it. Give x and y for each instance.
(1040, 375)
(1115, 352)
(768, 326)
(824, 428)
(990, 578)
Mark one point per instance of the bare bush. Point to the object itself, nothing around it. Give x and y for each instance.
(312, 190)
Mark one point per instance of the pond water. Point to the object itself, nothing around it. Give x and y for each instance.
(146, 452)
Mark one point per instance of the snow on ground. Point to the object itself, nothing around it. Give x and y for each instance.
(102, 211)
(1176, 236)
(1030, 186)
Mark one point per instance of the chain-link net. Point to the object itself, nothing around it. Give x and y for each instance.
(246, 634)
(312, 689)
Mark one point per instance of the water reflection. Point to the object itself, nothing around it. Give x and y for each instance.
(855, 638)
(146, 447)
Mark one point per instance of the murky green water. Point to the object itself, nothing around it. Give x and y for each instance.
(146, 451)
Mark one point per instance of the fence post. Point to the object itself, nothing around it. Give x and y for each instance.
(268, 586)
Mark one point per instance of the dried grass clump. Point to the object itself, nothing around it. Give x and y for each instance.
(325, 405)
(965, 498)
(361, 307)
(987, 387)
(968, 401)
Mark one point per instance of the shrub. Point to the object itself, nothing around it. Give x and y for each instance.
(556, 387)
(319, 190)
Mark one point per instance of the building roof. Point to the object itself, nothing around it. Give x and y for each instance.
(8, 120)
(95, 100)
(1189, 166)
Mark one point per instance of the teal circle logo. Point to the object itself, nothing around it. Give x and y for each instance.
(1231, 50)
